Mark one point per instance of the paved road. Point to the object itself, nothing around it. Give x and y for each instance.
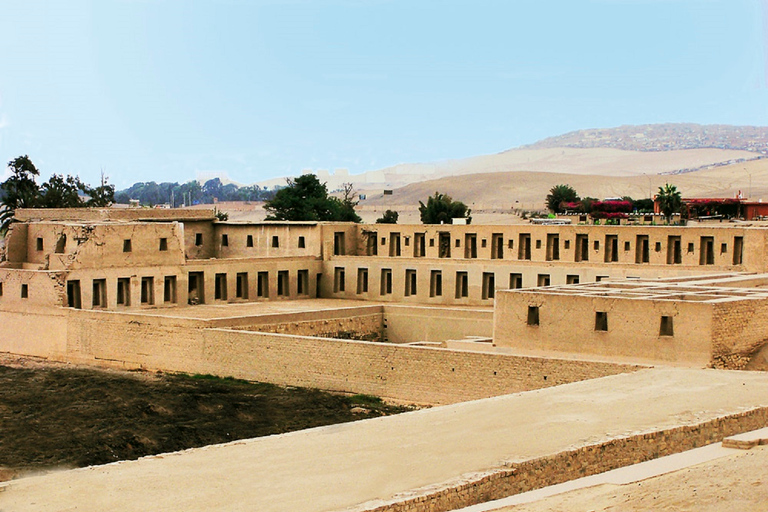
(330, 468)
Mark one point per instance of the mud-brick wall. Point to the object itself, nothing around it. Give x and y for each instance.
(523, 476)
(363, 327)
(414, 374)
(740, 330)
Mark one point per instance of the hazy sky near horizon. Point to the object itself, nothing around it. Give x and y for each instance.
(164, 90)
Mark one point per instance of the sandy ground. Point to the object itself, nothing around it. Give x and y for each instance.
(330, 468)
(735, 482)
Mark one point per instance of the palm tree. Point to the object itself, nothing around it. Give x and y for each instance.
(669, 200)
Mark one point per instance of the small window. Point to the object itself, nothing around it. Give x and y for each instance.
(533, 315)
(543, 280)
(723, 248)
(163, 244)
(225, 240)
(275, 241)
(572, 279)
(666, 328)
(515, 281)
(39, 243)
(691, 247)
(302, 243)
(511, 244)
(431, 242)
(626, 246)
(198, 239)
(483, 242)
(600, 278)
(99, 296)
(596, 245)
(601, 321)
(458, 243)
(61, 244)
(249, 241)
(567, 244)
(127, 245)
(386, 281)
(407, 241)
(538, 244)
(1, 289)
(657, 247)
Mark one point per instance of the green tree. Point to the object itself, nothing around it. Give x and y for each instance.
(560, 194)
(670, 200)
(442, 209)
(20, 190)
(389, 217)
(60, 192)
(306, 198)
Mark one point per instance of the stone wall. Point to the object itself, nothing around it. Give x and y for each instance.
(412, 374)
(739, 331)
(517, 477)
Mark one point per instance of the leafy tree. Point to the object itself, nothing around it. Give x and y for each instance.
(560, 194)
(20, 190)
(389, 217)
(306, 198)
(442, 209)
(345, 207)
(670, 200)
(60, 192)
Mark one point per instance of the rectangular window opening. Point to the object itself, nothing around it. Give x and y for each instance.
(148, 290)
(127, 245)
(515, 281)
(601, 321)
(435, 283)
(99, 295)
(302, 282)
(241, 285)
(220, 287)
(489, 285)
(169, 290)
(462, 285)
(533, 315)
(163, 244)
(666, 327)
(410, 282)
(362, 280)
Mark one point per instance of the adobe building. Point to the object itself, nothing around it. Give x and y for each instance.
(142, 260)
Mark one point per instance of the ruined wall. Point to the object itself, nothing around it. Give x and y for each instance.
(739, 330)
(413, 374)
(567, 323)
(112, 214)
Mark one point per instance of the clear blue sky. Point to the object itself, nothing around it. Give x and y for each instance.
(162, 90)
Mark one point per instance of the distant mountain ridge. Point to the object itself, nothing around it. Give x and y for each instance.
(663, 137)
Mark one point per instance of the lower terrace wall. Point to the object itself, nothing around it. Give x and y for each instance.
(739, 332)
(407, 373)
(518, 477)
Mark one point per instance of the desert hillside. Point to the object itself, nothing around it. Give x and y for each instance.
(527, 190)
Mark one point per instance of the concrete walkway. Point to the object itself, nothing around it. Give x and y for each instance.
(334, 467)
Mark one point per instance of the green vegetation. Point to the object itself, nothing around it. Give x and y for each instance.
(442, 209)
(306, 198)
(191, 193)
(20, 190)
(65, 417)
(670, 201)
(389, 217)
(560, 194)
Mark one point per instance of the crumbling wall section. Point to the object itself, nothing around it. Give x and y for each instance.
(740, 330)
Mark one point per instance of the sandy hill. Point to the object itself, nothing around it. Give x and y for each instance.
(527, 190)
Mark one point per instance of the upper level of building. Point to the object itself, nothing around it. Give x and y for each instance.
(107, 238)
